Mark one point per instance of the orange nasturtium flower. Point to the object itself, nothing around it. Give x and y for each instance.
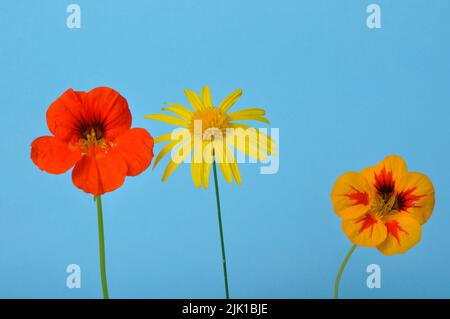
(383, 206)
(208, 132)
(91, 131)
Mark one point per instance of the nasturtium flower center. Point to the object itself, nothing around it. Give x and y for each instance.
(385, 205)
(387, 200)
(92, 137)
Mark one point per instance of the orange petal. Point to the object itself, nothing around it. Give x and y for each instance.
(416, 196)
(111, 109)
(65, 115)
(404, 232)
(136, 147)
(101, 173)
(368, 230)
(350, 196)
(386, 175)
(53, 156)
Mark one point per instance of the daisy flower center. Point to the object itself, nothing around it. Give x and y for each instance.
(210, 123)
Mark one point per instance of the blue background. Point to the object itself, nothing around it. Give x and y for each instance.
(343, 96)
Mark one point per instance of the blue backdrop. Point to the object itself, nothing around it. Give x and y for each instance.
(343, 96)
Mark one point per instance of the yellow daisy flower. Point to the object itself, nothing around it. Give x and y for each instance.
(208, 133)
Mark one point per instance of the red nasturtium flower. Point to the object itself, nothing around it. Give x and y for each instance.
(92, 133)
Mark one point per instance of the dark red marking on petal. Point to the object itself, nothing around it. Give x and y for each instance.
(407, 199)
(367, 222)
(360, 198)
(393, 228)
(384, 183)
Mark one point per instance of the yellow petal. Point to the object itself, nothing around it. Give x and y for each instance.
(404, 232)
(166, 149)
(247, 117)
(265, 142)
(417, 196)
(351, 196)
(228, 102)
(208, 152)
(197, 173)
(206, 97)
(244, 141)
(390, 172)
(181, 155)
(163, 138)
(167, 119)
(197, 156)
(206, 171)
(170, 168)
(193, 99)
(179, 110)
(367, 231)
(171, 135)
(233, 165)
(207, 161)
(248, 112)
(221, 160)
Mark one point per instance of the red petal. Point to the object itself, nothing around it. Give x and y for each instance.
(108, 107)
(136, 147)
(100, 174)
(74, 111)
(53, 156)
(65, 115)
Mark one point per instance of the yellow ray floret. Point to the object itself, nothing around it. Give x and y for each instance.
(167, 119)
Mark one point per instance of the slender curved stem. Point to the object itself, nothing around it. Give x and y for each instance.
(341, 270)
(101, 240)
(224, 260)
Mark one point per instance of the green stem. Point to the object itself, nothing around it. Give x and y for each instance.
(341, 270)
(101, 240)
(224, 260)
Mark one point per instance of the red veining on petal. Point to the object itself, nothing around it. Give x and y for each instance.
(384, 182)
(360, 198)
(367, 222)
(394, 228)
(407, 199)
